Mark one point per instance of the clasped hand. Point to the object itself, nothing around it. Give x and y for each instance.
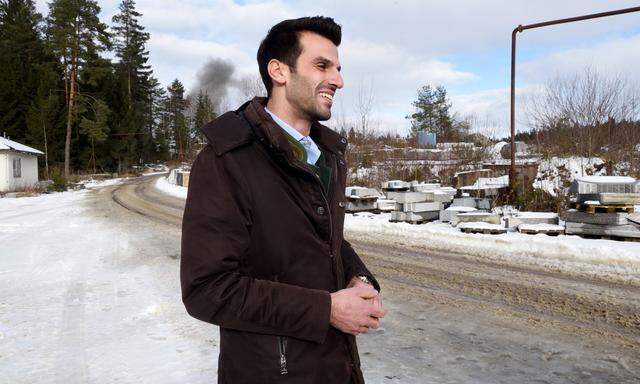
(356, 309)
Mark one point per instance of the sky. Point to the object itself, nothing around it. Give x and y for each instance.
(393, 48)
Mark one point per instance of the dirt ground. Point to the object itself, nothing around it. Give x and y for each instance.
(107, 309)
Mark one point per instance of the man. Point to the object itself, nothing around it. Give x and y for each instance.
(263, 254)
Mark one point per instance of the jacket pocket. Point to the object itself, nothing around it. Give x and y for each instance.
(282, 348)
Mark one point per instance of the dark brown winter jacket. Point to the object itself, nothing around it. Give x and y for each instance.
(262, 248)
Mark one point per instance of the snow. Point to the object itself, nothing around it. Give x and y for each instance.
(572, 254)
(171, 189)
(92, 183)
(619, 261)
(10, 144)
(488, 183)
(556, 174)
(496, 150)
(541, 227)
(536, 215)
(607, 179)
(480, 225)
(90, 294)
(461, 209)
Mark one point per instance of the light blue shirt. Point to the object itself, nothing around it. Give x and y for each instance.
(313, 152)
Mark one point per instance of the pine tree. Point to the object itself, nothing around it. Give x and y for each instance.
(22, 57)
(75, 33)
(177, 121)
(204, 113)
(96, 129)
(130, 41)
(432, 111)
(135, 81)
(159, 133)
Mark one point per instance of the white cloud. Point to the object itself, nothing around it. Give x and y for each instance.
(618, 57)
(398, 46)
(173, 57)
(490, 110)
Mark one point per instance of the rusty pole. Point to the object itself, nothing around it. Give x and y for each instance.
(520, 28)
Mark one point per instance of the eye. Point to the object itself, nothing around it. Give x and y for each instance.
(322, 65)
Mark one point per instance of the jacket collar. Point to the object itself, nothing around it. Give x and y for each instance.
(231, 130)
(273, 135)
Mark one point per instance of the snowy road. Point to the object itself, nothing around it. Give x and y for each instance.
(90, 294)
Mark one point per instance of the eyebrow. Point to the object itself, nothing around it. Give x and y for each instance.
(322, 59)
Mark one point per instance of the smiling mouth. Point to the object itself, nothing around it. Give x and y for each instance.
(327, 96)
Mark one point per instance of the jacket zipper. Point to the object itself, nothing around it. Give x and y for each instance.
(282, 347)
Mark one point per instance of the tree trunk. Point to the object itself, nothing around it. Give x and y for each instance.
(46, 152)
(67, 143)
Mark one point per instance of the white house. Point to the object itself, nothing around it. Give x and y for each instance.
(18, 165)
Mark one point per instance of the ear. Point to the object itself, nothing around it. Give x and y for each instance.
(278, 71)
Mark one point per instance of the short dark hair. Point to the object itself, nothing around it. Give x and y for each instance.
(283, 42)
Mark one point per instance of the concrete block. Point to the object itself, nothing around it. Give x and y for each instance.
(613, 218)
(473, 217)
(442, 197)
(418, 207)
(531, 218)
(397, 216)
(447, 214)
(421, 216)
(386, 205)
(359, 205)
(627, 230)
(483, 204)
(425, 187)
(395, 185)
(407, 197)
(619, 198)
(361, 192)
(482, 227)
(464, 202)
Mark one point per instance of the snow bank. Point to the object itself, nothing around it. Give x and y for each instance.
(573, 255)
(163, 185)
(91, 183)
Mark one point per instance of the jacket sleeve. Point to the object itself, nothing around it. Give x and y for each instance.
(353, 265)
(215, 241)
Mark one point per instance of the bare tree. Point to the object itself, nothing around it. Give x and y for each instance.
(251, 86)
(364, 106)
(580, 105)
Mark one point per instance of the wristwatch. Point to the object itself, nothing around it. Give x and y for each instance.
(364, 279)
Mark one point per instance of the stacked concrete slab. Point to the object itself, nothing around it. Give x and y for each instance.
(416, 202)
(447, 214)
(527, 219)
(474, 202)
(603, 205)
(360, 199)
(476, 217)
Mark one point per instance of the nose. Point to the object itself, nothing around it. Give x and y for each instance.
(336, 80)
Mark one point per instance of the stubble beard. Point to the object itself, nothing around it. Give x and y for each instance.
(304, 99)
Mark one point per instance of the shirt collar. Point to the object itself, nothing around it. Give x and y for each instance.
(290, 130)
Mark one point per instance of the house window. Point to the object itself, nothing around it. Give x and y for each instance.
(17, 167)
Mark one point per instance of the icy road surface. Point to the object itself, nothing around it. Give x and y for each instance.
(89, 293)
